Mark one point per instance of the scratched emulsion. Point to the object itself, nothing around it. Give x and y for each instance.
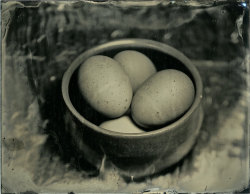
(41, 40)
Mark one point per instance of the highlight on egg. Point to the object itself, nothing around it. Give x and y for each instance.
(105, 86)
(162, 98)
(137, 66)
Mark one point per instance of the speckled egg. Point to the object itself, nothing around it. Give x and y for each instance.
(137, 65)
(162, 98)
(105, 86)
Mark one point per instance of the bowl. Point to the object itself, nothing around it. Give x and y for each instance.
(140, 154)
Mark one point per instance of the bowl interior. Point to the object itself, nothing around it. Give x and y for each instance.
(160, 59)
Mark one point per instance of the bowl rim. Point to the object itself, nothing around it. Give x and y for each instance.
(132, 43)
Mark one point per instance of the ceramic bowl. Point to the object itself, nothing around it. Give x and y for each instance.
(140, 154)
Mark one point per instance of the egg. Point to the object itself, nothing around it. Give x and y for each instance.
(105, 86)
(162, 98)
(123, 125)
(137, 65)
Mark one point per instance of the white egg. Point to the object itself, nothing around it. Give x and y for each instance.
(123, 125)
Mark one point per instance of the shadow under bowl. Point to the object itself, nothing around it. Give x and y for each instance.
(140, 154)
